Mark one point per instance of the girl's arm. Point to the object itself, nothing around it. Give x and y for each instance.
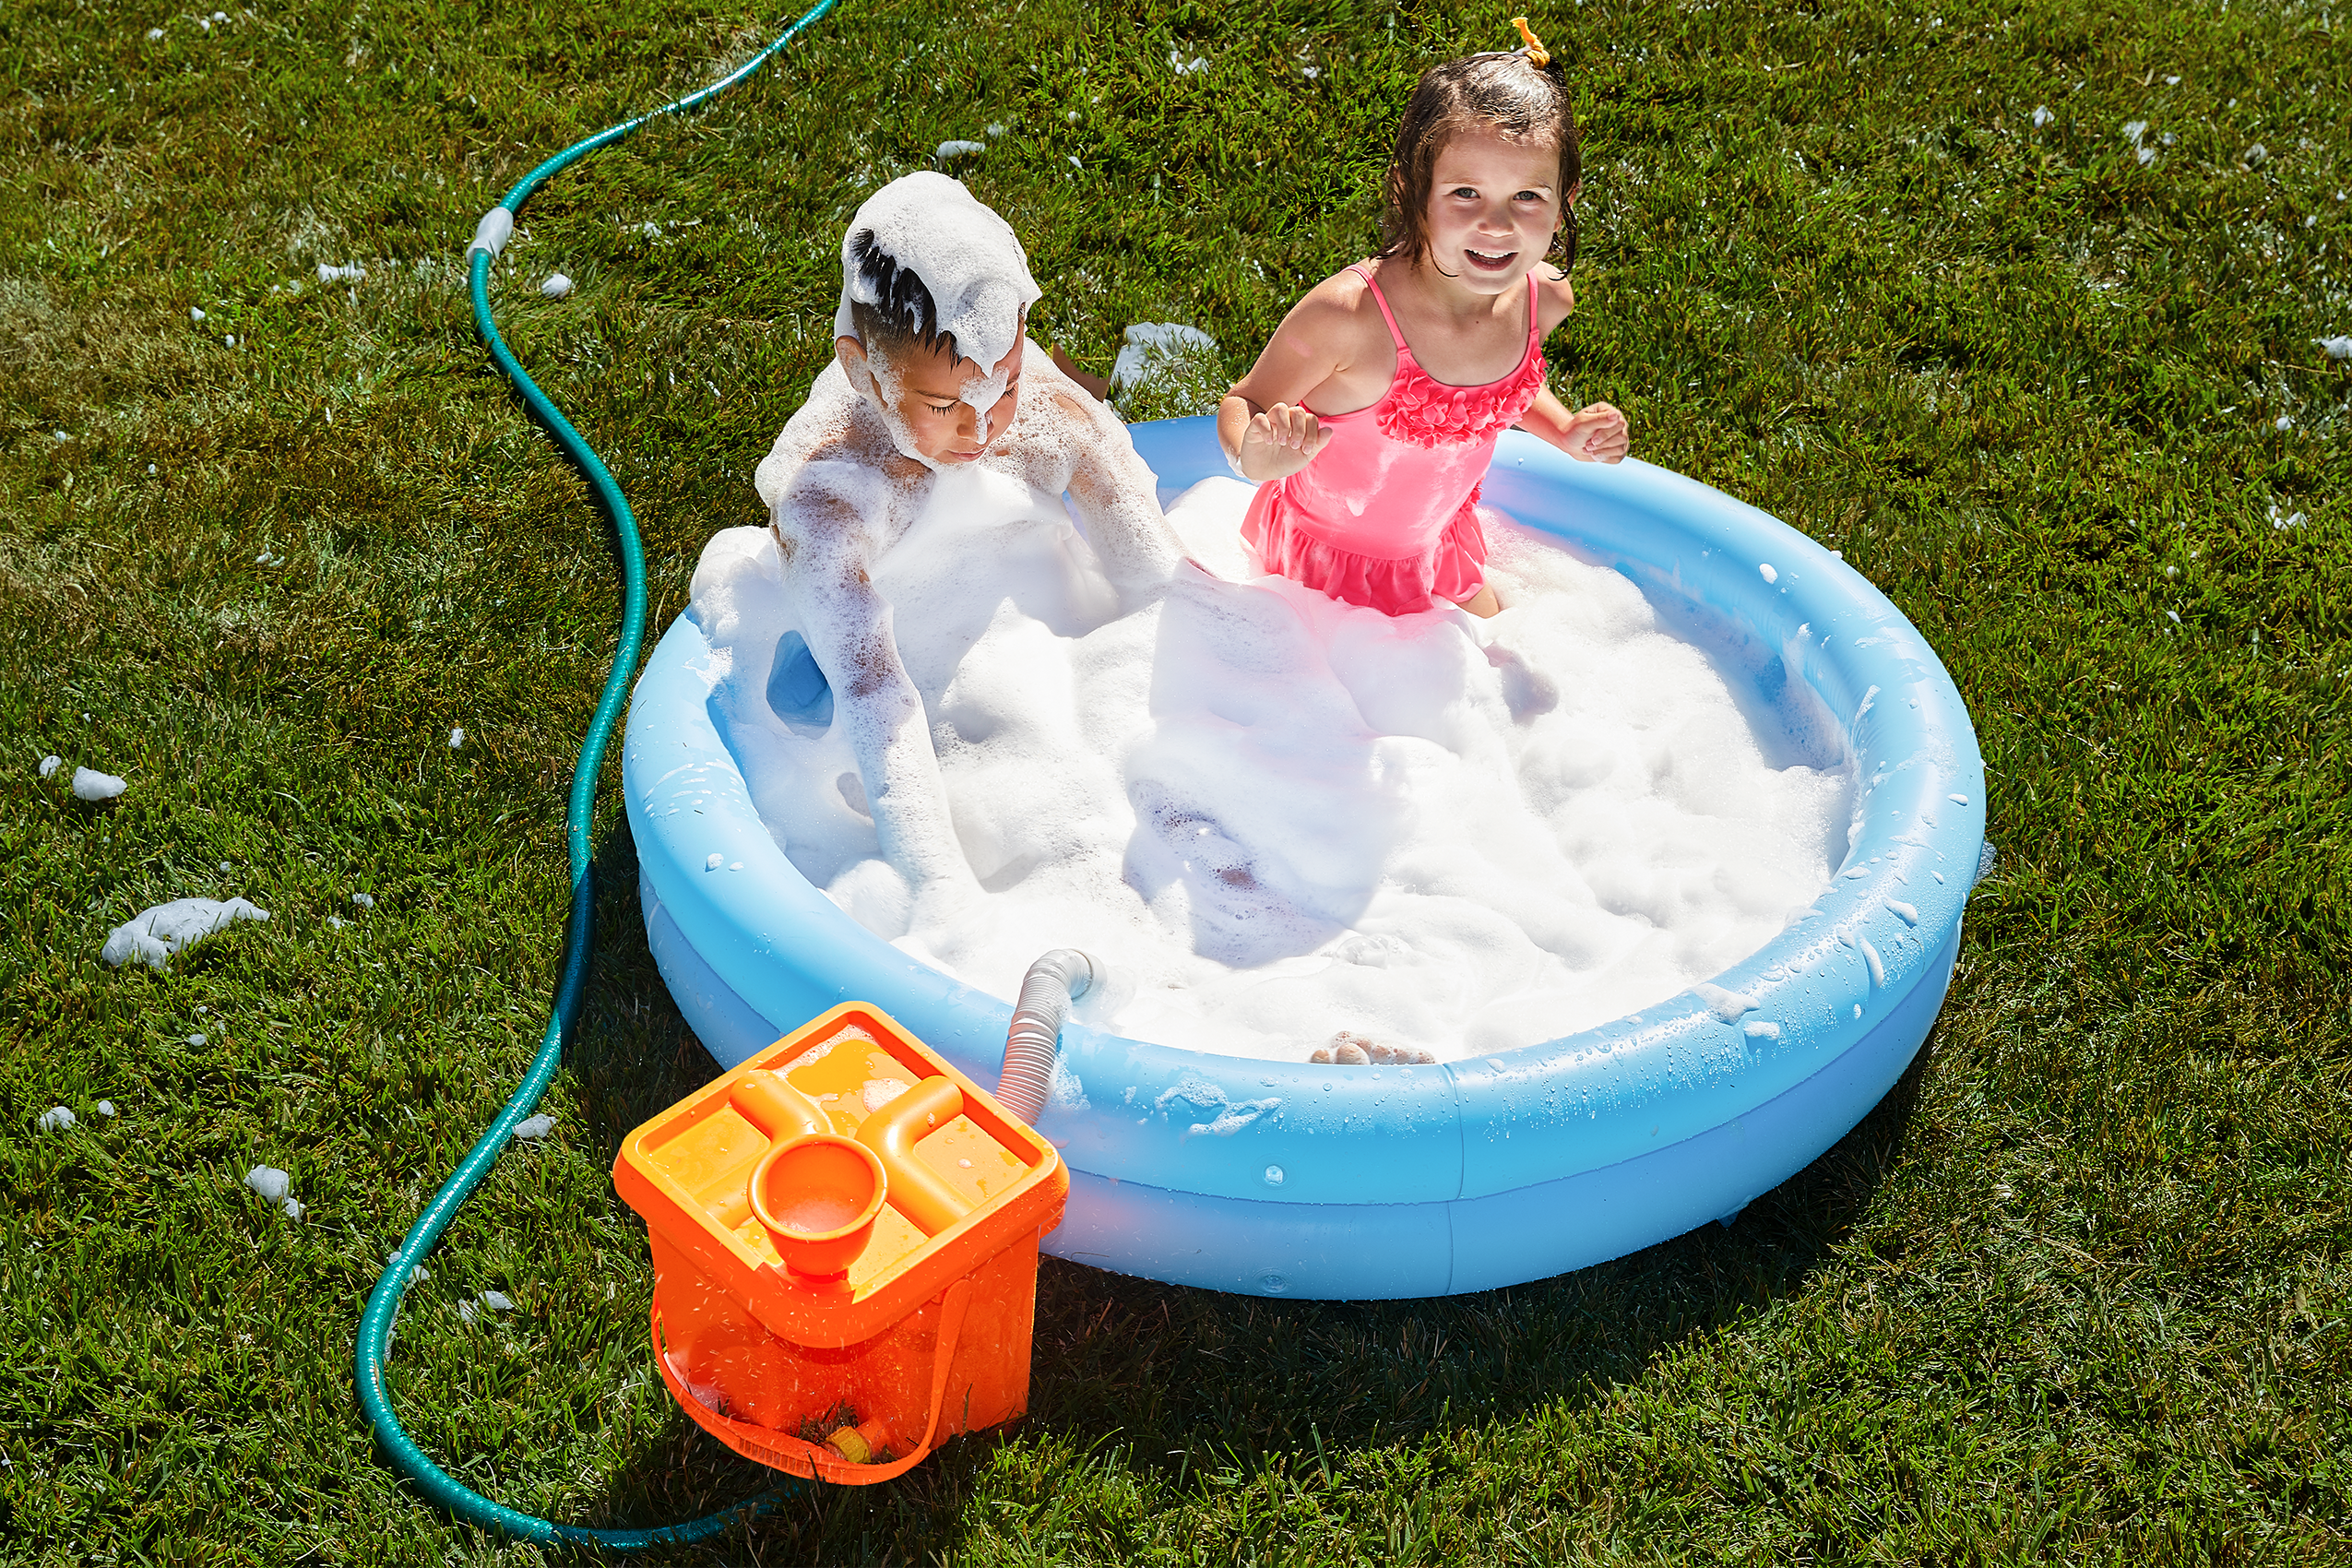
(1264, 425)
(1595, 434)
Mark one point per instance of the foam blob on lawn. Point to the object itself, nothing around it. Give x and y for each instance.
(152, 935)
(1270, 815)
(1154, 347)
(273, 1185)
(93, 786)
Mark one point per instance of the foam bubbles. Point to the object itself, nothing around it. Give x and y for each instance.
(1271, 815)
(152, 935)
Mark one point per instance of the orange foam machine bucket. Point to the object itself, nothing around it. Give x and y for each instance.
(845, 1241)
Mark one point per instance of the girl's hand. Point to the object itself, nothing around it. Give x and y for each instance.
(1281, 441)
(1596, 434)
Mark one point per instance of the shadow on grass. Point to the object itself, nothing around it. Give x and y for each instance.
(1192, 1377)
(1185, 1380)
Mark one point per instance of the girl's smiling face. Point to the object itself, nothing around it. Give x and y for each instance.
(1493, 205)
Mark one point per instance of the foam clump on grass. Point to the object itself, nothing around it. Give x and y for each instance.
(50, 763)
(2336, 347)
(93, 786)
(494, 1300)
(269, 1185)
(556, 286)
(56, 1119)
(1271, 814)
(534, 1129)
(947, 152)
(152, 935)
(350, 273)
(1167, 370)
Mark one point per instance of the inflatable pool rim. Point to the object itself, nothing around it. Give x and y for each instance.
(1284, 1177)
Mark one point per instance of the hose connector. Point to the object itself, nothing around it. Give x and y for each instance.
(497, 226)
(1035, 1039)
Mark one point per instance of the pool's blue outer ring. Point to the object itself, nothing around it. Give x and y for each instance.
(1398, 1182)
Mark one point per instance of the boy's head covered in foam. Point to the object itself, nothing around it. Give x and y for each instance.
(934, 293)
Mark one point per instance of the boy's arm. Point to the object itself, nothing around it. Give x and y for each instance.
(1114, 493)
(848, 624)
(1596, 432)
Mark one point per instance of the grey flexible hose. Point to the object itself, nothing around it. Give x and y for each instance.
(1035, 1039)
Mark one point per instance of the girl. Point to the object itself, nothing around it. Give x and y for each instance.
(1374, 410)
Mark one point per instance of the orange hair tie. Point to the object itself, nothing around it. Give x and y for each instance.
(1538, 55)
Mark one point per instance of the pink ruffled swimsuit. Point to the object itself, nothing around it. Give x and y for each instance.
(1386, 514)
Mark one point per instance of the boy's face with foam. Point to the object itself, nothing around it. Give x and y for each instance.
(942, 408)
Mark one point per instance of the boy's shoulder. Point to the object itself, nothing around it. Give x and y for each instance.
(1057, 424)
(831, 446)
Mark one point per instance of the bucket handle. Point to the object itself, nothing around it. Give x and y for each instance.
(797, 1455)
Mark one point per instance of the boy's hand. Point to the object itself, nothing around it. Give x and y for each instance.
(1596, 434)
(1281, 441)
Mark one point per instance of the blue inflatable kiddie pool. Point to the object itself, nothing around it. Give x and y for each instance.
(1279, 1179)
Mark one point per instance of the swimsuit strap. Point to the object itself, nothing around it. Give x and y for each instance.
(1535, 323)
(1381, 299)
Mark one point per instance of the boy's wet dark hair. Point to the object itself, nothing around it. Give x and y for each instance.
(903, 314)
(1506, 90)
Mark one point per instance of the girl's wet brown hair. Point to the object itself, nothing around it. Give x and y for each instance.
(1505, 89)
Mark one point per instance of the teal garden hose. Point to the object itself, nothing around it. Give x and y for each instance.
(384, 1301)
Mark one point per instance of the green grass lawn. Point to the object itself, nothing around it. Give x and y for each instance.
(2078, 1292)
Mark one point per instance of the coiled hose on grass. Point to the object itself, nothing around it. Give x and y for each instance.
(384, 1301)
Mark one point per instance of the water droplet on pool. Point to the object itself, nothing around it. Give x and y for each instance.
(1274, 1175)
(1275, 1284)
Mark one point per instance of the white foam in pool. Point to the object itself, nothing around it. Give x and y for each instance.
(1271, 816)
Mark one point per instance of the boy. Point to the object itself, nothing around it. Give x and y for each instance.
(931, 373)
